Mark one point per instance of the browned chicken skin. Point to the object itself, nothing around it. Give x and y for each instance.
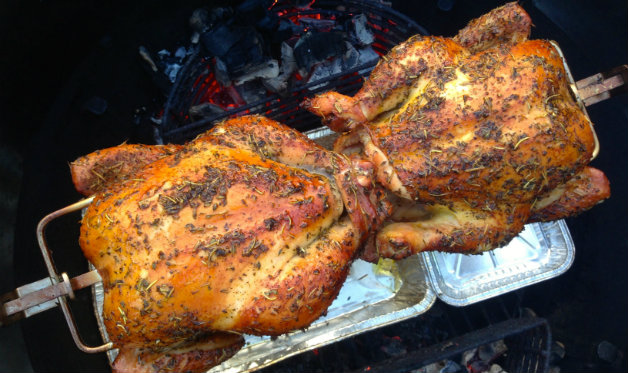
(93, 173)
(250, 228)
(508, 24)
(479, 127)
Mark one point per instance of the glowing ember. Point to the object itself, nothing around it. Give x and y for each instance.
(318, 58)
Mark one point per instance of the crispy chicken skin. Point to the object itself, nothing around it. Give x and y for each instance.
(479, 127)
(250, 228)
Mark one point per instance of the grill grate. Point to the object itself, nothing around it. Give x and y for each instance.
(444, 332)
(389, 26)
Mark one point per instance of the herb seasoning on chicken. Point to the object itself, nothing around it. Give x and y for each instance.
(243, 230)
(480, 130)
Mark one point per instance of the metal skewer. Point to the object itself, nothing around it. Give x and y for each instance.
(602, 86)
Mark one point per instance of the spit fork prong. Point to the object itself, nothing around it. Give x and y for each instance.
(63, 303)
(49, 292)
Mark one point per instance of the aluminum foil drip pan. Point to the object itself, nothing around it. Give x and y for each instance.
(542, 251)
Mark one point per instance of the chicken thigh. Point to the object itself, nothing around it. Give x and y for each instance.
(470, 133)
(250, 228)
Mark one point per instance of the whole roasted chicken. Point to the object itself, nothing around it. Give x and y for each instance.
(250, 228)
(475, 135)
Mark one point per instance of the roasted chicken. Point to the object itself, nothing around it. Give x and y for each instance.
(476, 135)
(250, 228)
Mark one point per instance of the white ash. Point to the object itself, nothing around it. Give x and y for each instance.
(280, 83)
(265, 70)
(443, 366)
(323, 70)
(147, 57)
(367, 55)
(362, 31)
(221, 72)
(171, 64)
(350, 59)
(171, 71)
(199, 20)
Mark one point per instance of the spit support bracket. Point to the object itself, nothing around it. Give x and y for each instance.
(596, 88)
(52, 291)
(602, 86)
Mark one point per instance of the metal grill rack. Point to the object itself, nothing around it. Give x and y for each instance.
(389, 26)
(444, 332)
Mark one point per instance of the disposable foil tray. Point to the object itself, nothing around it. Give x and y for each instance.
(542, 251)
